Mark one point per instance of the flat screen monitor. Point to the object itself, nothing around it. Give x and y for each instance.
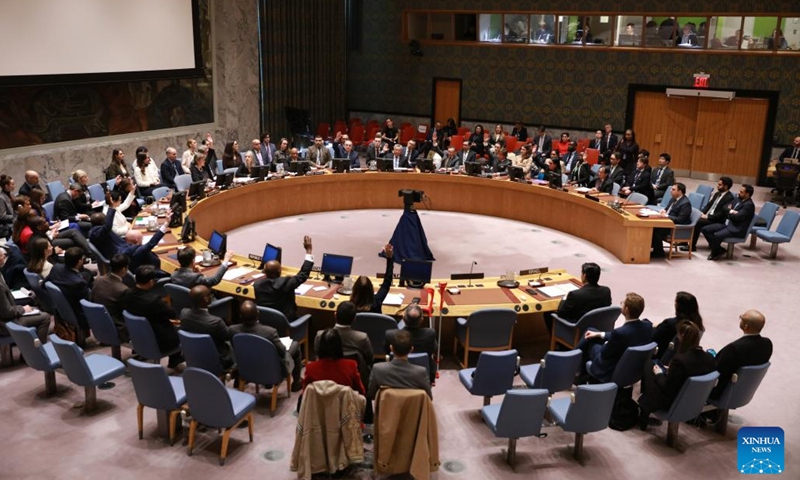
(197, 190)
(554, 180)
(178, 201)
(299, 167)
(336, 266)
(224, 180)
(259, 172)
(385, 165)
(516, 173)
(341, 165)
(271, 252)
(416, 273)
(218, 243)
(473, 168)
(426, 165)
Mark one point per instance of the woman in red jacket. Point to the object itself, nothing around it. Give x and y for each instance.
(331, 364)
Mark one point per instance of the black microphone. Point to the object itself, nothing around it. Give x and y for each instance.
(470, 271)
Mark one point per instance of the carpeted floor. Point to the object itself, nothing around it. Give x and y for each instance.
(49, 438)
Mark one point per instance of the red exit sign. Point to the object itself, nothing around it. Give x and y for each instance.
(701, 80)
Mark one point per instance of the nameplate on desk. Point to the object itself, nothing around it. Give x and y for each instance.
(395, 276)
(534, 271)
(466, 276)
(592, 198)
(255, 258)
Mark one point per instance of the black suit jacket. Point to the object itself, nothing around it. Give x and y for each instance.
(409, 158)
(608, 145)
(64, 207)
(745, 351)
(580, 174)
(606, 186)
(740, 220)
(423, 340)
(618, 175)
(198, 175)
(721, 212)
(596, 144)
(578, 302)
(73, 286)
(195, 320)
(631, 334)
(170, 170)
(666, 180)
(278, 293)
(148, 304)
(680, 211)
(640, 182)
(546, 146)
(684, 365)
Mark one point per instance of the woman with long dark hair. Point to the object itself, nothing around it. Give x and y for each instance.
(686, 309)
(117, 168)
(40, 251)
(364, 297)
(629, 151)
(231, 158)
(146, 173)
(478, 144)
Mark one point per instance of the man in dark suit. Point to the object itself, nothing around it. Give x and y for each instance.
(267, 149)
(343, 148)
(750, 349)
(423, 339)
(603, 184)
(716, 210)
(396, 156)
(109, 289)
(791, 153)
(737, 224)
(64, 207)
(570, 159)
(143, 254)
(519, 132)
(597, 141)
(609, 142)
(543, 142)
(31, 183)
(605, 349)
(141, 300)
(318, 154)
(639, 181)
(170, 168)
(663, 177)
(585, 299)
(102, 235)
(615, 171)
(399, 373)
(277, 292)
(410, 154)
(291, 361)
(679, 210)
(355, 344)
(377, 149)
(465, 155)
(197, 319)
(75, 287)
(19, 314)
(188, 277)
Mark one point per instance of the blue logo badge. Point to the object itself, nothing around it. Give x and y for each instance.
(761, 450)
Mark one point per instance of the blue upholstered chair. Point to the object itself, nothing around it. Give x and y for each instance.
(220, 168)
(767, 213)
(696, 200)
(55, 188)
(782, 234)
(200, 352)
(179, 299)
(707, 191)
(156, 390)
(637, 198)
(111, 183)
(183, 182)
(682, 235)
(494, 374)
(6, 352)
(738, 392)
(375, 325)
(38, 356)
(160, 192)
(64, 312)
(688, 404)
(421, 359)
(143, 338)
(215, 406)
(570, 333)
(664, 202)
(489, 329)
(258, 362)
(103, 264)
(555, 372)
(586, 410)
(731, 241)
(296, 330)
(97, 193)
(102, 326)
(88, 372)
(631, 366)
(37, 285)
(49, 210)
(615, 189)
(520, 415)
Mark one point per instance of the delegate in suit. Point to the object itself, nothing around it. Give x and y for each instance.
(737, 224)
(716, 210)
(679, 210)
(274, 291)
(399, 373)
(583, 300)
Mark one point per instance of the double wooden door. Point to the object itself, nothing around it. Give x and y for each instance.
(703, 135)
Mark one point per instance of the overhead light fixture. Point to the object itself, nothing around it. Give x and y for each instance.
(688, 92)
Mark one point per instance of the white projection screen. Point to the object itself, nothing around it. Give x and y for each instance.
(63, 41)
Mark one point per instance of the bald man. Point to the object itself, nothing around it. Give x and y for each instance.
(750, 349)
(277, 292)
(197, 319)
(32, 182)
(142, 254)
(171, 168)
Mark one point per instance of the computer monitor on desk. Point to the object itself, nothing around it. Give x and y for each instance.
(197, 190)
(426, 165)
(224, 180)
(271, 252)
(259, 172)
(336, 267)
(473, 168)
(516, 173)
(415, 273)
(218, 243)
(300, 167)
(341, 165)
(385, 165)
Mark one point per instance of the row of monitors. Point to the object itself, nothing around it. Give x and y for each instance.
(337, 266)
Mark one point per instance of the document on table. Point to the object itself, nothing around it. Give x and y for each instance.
(558, 290)
(394, 299)
(147, 238)
(236, 272)
(303, 289)
(648, 212)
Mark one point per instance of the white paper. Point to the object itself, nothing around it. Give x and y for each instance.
(647, 211)
(141, 221)
(319, 288)
(21, 293)
(257, 276)
(35, 311)
(147, 238)
(582, 190)
(303, 289)
(393, 299)
(567, 287)
(287, 342)
(235, 272)
(198, 258)
(64, 224)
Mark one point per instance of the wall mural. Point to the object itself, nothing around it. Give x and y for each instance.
(58, 113)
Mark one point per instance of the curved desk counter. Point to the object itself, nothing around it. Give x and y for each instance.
(623, 234)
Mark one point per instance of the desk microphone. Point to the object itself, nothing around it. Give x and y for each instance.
(470, 272)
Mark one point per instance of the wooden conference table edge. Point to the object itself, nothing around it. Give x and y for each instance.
(624, 235)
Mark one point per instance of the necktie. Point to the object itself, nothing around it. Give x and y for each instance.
(541, 143)
(795, 153)
(714, 206)
(396, 162)
(658, 177)
(269, 154)
(608, 142)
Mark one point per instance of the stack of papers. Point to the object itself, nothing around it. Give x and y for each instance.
(21, 293)
(558, 290)
(303, 289)
(582, 190)
(147, 238)
(394, 299)
(235, 272)
(647, 212)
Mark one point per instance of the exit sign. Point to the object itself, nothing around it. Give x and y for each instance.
(701, 80)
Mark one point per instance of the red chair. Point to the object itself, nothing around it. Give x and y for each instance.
(456, 141)
(340, 126)
(406, 134)
(354, 121)
(592, 155)
(357, 134)
(373, 123)
(511, 144)
(323, 129)
(422, 132)
(464, 131)
(583, 144)
(371, 131)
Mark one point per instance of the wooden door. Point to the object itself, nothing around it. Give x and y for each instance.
(666, 124)
(446, 100)
(730, 136)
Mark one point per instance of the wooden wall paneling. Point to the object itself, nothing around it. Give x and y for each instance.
(448, 100)
(745, 136)
(713, 123)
